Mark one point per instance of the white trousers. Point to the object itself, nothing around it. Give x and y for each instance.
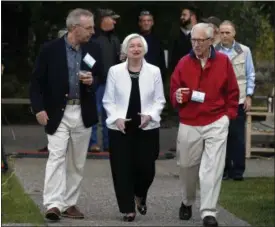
(201, 154)
(67, 155)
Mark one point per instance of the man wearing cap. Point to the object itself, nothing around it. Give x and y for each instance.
(155, 54)
(215, 22)
(241, 59)
(110, 52)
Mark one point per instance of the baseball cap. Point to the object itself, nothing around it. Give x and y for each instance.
(214, 20)
(145, 13)
(108, 13)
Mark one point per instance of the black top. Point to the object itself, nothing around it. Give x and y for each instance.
(134, 103)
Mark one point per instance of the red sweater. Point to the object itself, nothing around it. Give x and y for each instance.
(217, 80)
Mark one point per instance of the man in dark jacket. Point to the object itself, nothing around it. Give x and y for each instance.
(155, 54)
(182, 44)
(62, 97)
(110, 51)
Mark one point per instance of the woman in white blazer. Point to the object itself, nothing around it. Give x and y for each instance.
(133, 100)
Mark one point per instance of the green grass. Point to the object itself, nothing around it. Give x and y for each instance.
(251, 200)
(17, 206)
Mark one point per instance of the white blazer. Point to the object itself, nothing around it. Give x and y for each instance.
(118, 89)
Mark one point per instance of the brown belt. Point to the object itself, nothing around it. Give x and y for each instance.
(73, 102)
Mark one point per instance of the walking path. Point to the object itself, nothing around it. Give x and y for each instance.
(98, 200)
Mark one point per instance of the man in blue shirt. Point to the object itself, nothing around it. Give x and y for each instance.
(241, 59)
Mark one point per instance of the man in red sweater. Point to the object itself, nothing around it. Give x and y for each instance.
(204, 89)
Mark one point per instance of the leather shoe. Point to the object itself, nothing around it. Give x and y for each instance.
(53, 214)
(210, 221)
(72, 212)
(185, 212)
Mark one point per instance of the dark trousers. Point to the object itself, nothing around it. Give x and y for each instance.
(132, 158)
(235, 152)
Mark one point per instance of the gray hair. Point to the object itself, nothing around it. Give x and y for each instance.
(126, 41)
(228, 22)
(74, 16)
(62, 32)
(206, 27)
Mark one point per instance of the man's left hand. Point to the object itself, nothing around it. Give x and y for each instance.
(88, 79)
(247, 104)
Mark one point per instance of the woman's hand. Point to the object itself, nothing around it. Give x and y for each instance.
(145, 119)
(120, 123)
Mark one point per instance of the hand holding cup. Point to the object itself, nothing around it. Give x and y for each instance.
(182, 95)
(86, 77)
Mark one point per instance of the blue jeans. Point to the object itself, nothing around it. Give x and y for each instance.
(102, 113)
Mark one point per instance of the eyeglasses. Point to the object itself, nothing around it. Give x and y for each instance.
(199, 41)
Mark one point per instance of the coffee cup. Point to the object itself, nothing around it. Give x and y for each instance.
(185, 94)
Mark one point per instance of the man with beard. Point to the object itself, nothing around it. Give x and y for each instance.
(155, 54)
(182, 44)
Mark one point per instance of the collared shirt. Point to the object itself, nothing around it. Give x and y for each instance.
(73, 61)
(185, 31)
(203, 61)
(249, 67)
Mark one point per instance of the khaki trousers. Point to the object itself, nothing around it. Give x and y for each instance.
(201, 154)
(68, 148)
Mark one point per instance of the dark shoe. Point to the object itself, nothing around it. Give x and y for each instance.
(44, 149)
(210, 221)
(185, 212)
(141, 205)
(225, 176)
(53, 214)
(73, 212)
(129, 218)
(238, 178)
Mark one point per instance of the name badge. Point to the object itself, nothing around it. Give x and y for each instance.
(198, 96)
(89, 60)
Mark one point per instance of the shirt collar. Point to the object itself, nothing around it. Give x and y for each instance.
(212, 53)
(207, 57)
(68, 45)
(226, 48)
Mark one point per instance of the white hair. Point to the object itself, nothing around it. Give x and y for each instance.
(209, 31)
(126, 41)
(74, 17)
